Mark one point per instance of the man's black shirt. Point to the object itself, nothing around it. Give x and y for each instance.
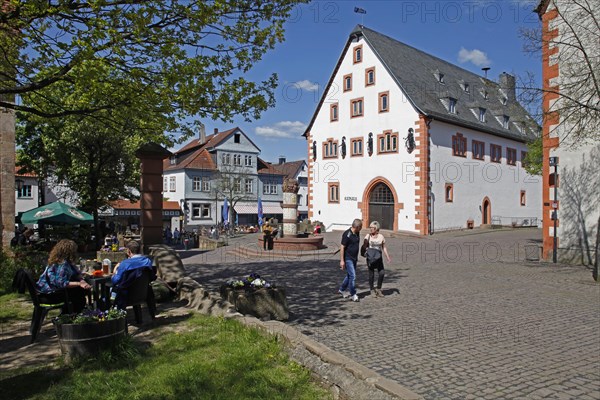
(351, 243)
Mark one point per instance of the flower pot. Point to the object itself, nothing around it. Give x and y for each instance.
(81, 340)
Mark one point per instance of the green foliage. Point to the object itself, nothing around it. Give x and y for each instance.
(90, 316)
(24, 257)
(185, 59)
(535, 155)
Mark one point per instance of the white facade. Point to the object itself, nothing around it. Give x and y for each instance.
(571, 61)
(357, 176)
(474, 180)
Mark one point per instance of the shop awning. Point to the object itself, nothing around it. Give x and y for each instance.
(252, 208)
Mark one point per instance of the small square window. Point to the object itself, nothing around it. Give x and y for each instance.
(347, 82)
(330, 148)
(511, 156)
(333, 192)
(384, 105)
(357, 54)
(356, 108)
(459, 145)
(333, 112)
(370, 76)
(356, 147)
(478, 150)
(449, 192)
(495, 153)
(388, 142)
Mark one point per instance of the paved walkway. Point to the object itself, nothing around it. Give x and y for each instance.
(465, 315)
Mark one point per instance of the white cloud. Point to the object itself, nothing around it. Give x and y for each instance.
(282, 129)
(307, 85)
(474, 56)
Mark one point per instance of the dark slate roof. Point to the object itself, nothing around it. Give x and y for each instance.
(415, 73)
(290, 168)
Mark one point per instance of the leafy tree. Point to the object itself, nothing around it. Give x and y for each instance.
(92, 154)
(579, 58)
(97, 78)
(194, 54)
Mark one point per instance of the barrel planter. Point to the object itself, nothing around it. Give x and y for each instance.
(82, 340)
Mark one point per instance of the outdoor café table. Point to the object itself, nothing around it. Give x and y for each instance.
(100, 290)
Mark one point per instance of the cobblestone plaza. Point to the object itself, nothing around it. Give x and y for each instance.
(465, 315)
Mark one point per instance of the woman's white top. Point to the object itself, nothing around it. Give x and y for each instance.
(376, 242)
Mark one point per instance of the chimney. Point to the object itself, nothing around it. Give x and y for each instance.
(281, 160)
(216, 130)
(202, 132)
(507, 83)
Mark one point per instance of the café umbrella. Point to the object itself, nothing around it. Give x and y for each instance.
(56, 213)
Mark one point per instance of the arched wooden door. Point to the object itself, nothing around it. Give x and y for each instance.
(486, 212)
(381, 206)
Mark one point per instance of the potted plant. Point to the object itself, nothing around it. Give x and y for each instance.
(90, 331)
(255, 296)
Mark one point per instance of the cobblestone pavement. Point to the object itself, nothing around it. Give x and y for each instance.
(465, 315)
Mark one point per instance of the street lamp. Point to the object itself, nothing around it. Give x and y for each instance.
(554, 163)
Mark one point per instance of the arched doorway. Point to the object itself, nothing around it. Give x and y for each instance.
(381, 206)
(486, 212)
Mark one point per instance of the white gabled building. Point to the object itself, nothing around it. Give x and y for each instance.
(465, 162)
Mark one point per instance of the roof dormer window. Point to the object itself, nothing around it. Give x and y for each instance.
(452, 105)
(481, 114)
(440, 77)
(503, 100)
(505, 121)
(467, 87)
(173, 159)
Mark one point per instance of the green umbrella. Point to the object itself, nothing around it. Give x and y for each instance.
(56, 213)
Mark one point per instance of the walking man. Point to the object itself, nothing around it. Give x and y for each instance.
(348, 258)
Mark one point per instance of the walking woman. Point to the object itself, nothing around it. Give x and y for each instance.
(375, 244)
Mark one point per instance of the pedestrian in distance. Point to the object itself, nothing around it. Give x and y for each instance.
(349, 257)
(375, 249)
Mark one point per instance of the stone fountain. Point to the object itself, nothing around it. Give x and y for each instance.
(291, 240)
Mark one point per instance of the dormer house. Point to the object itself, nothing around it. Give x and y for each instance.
(435, 160)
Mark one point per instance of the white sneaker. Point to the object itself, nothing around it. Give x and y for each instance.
(355, 298)
(344, 294)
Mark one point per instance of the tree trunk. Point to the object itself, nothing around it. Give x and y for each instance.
(597, 261)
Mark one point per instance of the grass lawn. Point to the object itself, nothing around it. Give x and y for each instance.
(210, 358)
(14, 308)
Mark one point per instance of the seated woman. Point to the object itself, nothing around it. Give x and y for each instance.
(61, 273)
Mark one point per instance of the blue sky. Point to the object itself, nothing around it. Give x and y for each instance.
(469, 33)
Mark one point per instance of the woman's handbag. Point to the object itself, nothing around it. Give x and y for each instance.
(373, 256)
(364, 247)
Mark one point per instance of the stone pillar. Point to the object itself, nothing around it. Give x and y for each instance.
(7, 175)
(290, 207)
(151, 156)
